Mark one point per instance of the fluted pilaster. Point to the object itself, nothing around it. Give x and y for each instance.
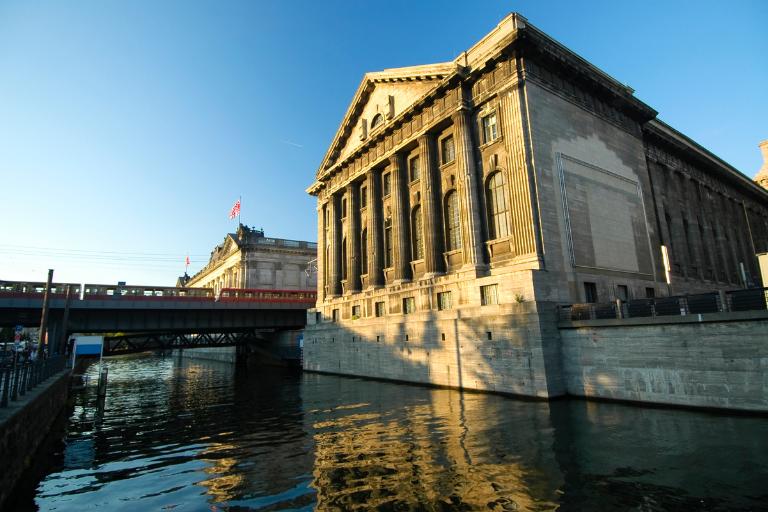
(321, 243)
(400, 222)
(432, 213)
(334, 235)
(353, 238)
(375, 231)
(468, 188)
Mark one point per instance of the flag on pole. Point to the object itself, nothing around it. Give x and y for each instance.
(235, 211)
(186, 261)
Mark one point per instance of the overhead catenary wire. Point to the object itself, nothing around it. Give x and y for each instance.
(13, 247)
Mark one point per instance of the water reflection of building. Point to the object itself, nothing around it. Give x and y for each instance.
(450, 451)
(248, 259)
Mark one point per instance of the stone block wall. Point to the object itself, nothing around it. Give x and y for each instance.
(511, 348)
(716, 360)
(24, 427)
(220, 354)
(709, 363)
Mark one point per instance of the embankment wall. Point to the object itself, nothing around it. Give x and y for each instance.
(717, 360)
(25, 424)
(713, 360)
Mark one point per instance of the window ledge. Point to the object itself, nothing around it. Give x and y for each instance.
(498, 240)
(491, 143)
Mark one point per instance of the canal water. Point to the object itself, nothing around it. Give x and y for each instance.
(183, 435)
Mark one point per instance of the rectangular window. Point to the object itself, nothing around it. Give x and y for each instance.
(355, 311)
(379, 309)
(590, 292)
(413, 168)
(447, 150)
(386, 184)
(490, 128)
(443, 301)
(622, 292)
(650, 293)
(318, 317)
(343, 207)
(409, 305)
(363, 196)
(335, 315)
(489, 294)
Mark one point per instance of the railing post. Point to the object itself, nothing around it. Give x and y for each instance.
(23, 380)
(723, 301)
(28, 377)
(6, 385)
(15, 383)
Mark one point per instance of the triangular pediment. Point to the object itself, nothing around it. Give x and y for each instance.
(227, 247)
(381, 97)
(230, 244)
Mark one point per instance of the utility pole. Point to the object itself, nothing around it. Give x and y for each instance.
(65, 322)
(43, 336)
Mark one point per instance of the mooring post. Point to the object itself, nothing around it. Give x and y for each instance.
(102, 390)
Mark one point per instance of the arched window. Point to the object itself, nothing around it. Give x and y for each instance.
(378, 119)
(452, 221)
(364, 252)
(417, 234)
(496, 199)
(344, 258)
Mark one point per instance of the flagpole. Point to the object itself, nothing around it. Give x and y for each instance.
(240, 202)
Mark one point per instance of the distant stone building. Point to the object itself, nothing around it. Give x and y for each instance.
(248, 259)
(762, 175)
(460, 201)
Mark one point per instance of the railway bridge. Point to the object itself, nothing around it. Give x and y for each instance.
(151, 317)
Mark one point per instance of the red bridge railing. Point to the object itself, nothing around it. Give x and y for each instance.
(26, 290)
(257, 295)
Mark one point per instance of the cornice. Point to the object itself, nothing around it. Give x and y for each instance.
(661, 132)
(538, 44)
(467, 67)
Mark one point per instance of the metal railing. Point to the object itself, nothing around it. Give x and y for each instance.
(16, 380)
(752, 299)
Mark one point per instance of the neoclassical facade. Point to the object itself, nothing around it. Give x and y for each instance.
(458, 202)
(248, 259)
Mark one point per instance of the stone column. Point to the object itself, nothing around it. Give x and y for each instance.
(334, 235)
(353, 238)
(468, 187)
(432, 215)
(375, 231)
(320, 252)
(400, 224)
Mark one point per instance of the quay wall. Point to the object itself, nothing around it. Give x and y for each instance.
(24, 425)
(279, 348)
(509, 348)
(220, 354)
(717, 360)
(714, 360)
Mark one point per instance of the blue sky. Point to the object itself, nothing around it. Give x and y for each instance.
(128, 129)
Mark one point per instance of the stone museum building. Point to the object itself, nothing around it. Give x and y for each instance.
(460, 202)
(248, 259)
